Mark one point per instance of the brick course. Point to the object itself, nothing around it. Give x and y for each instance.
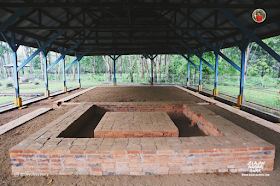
(135, 124)
(227, 148)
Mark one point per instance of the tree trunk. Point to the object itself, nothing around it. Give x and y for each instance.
(195, 73)
(159, 67)
(50, 62)
(3, 63)
(73, 72)
(106, 59)
(27, 51)
(182, 70)
(142, 67)
(155, 69)
(58, 69)
(120, 65)
(166, 67)
(99, 66)
(93, 65)
(249, 48)
(147, 69)
(9, 60)
(130, 69)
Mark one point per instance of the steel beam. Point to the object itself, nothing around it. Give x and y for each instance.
(123, 28)
(40, 49)
(79, 58)
(14, 47)
(243, 48)
(215, 90)
(114, 60)
(201, 52)
(64, 54)
(215, 49)
(45, 53)
(193, 52)
(152, 57)
(187, 58)
(249, 33)
(154, 5)
(12, 18)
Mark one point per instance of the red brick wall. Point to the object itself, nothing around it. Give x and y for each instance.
(229, 149)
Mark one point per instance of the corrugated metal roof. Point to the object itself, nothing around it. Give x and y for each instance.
(134, 27)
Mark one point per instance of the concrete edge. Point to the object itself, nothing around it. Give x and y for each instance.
(57, 103)
(241, 113)
(23, 119)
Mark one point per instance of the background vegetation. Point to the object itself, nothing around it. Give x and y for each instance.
(261, 85)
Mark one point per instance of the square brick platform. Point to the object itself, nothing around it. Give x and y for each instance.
(227, 148)
(135, 124)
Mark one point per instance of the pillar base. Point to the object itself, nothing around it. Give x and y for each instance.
(187, 84)
(215, 92)
(115, 83)
(18, 102)
(64, 89)
(152, 83)
(80, 86)
(239, 100)
(47, 93)
(199, 88)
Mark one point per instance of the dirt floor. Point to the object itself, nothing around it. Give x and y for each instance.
(136, 94)
(180, 120)
(13, 137)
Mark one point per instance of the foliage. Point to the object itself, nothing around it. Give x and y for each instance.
(9, 84)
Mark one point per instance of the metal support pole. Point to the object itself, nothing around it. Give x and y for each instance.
(200, 70)
(215, 91)
(200, 76)
(188, 74)
(47, 92)
(17, 99)
(115, 81)
(64, 78)
(14, 47)
(152, 72)
(240, 96)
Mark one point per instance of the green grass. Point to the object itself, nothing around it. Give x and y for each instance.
(6, 99)
(266, 97)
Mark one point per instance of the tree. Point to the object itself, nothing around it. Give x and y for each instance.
(147, 68)
(106, 59)
(27, 52)
(130, 69)
(120, 65)
(167, 61)
(142, 67)
(159, 67)
(58, 69)
(93, 65)
(155, 69)
(262, 67)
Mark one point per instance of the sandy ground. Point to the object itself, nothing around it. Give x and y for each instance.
(136, 94)
(13, 137)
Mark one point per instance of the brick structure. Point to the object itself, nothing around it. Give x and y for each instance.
(228, 148)
(135, 124)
